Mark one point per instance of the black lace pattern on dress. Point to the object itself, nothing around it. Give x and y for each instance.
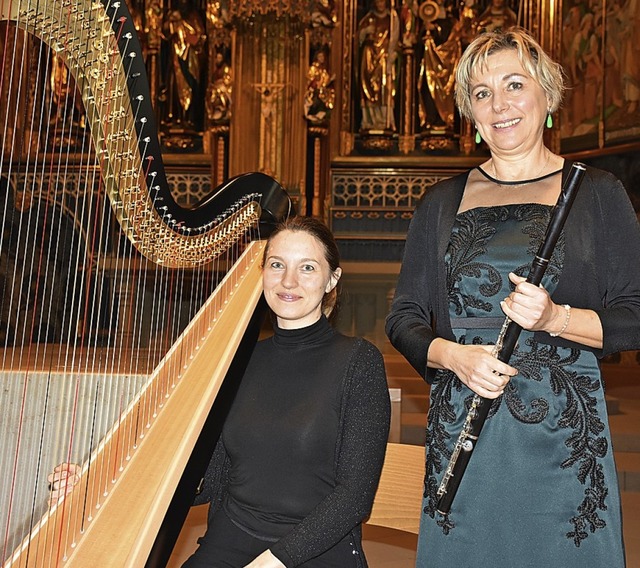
(585, 443)
(466, 245)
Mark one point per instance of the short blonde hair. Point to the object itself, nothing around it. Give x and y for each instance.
(533, 58)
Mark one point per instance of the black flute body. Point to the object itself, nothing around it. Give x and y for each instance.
(505, 345)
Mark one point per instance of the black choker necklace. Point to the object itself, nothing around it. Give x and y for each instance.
(522, 182)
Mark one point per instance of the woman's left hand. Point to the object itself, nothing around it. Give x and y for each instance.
(62, 480)
(530, 306)
(265, 560)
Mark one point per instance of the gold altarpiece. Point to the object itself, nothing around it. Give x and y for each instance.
(268, 130)
(284, 88)
(277, 87)
(280, 90)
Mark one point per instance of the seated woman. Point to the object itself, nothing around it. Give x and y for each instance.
(297, 465)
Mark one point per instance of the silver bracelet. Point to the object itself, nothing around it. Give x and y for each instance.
(567, 309)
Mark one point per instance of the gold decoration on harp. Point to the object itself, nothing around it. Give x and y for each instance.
(102, 80)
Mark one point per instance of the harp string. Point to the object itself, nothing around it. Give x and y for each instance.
(7, 307)
(105, 283)
(52, 218)
(82, 420)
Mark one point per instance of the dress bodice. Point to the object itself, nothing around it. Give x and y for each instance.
(486, 244)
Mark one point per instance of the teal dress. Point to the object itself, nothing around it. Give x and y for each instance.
(541, 488)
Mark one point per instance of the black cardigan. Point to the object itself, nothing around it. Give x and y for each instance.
(601, 268)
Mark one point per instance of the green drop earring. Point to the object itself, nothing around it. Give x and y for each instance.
(478, 137)
(549, 120)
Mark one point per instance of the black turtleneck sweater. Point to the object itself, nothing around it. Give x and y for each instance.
(301, 451)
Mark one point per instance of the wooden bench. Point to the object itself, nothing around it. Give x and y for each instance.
(398, 501)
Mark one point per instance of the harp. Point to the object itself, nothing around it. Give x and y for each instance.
(122, 310)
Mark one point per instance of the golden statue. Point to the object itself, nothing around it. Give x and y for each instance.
(185, 31)
(321, 95)
(217, 14)
(378, 33)
(323, 14)
(153, 24)
(409, 23)
(219, 99)
(497, 16)
(437, 70)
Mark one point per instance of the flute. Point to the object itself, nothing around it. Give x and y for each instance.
(504, 346)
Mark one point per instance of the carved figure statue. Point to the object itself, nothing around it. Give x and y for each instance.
(320, 96)
(437, 70)
(409, 23)
(219, 99)
(153, 25)
(269, 94)
(497, 16)
(217, 13)
(378, 33)
(185, 31)
(323, 14)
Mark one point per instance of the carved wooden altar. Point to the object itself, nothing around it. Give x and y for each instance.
(291, 87)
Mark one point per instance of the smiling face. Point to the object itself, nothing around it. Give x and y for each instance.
(508, 106)
(295, 278)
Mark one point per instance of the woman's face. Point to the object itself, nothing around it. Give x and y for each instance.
(509, 106)
(295, 278)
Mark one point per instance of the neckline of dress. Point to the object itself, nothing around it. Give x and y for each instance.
(516, 183)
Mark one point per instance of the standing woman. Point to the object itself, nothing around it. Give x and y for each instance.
(541, 486)
(297, 465)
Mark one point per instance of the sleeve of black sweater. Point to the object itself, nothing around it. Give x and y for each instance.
(408, 324)
(619, 267)
(365, 428)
